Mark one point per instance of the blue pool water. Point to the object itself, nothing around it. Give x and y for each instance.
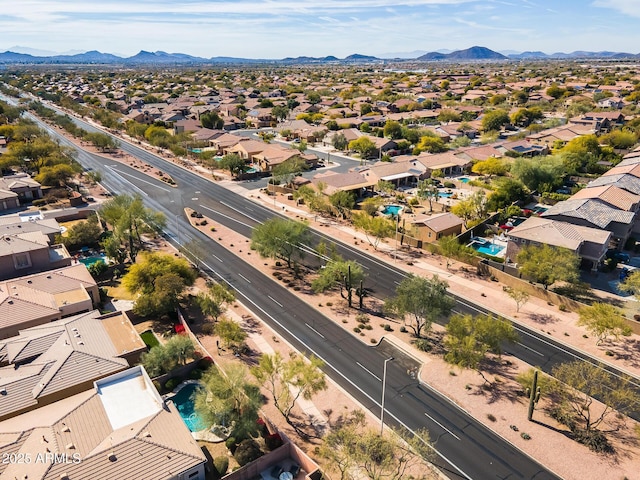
(464, 179)
(196, 150)
(88, 261)
(487, 248)
(391, 210)
(444, 194)
(184, 401)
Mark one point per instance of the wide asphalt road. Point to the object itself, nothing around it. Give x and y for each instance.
(464, 447)
(242, 215)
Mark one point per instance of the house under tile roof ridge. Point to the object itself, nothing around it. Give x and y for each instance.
(594, 211)
(612, 195)
(152, 442)
(621, 180)
(76, 350)
(557, 233)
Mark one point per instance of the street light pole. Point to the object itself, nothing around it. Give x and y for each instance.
(384, 385)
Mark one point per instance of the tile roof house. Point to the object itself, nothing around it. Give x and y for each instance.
(25, 248)
(21, 184)
(593, 213)
(430, 228)
(43, 297)
(121, 428)
(590, 244)
(48, 362)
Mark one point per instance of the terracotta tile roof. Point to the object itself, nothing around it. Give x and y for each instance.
(614, 196)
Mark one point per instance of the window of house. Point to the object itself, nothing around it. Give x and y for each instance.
(21, 260)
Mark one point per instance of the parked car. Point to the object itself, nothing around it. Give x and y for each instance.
(618, 256)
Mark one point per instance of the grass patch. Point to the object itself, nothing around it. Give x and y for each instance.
(149, 338)
(119, 292)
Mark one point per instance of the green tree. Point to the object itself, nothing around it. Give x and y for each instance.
(287, 381)
(231, 334)
(234, 163)
(212, 120)
(55, 175)
(620, 139)
(280, 112)
(342, 202)
(364, 146)
(160, 280)
(421, 299)
(283, 239)
(507, 192)
(430, 144)
(339, 141)
(229, 398)
(212, 302)
(165, 357)
(334, 273)
(543, 174)
(287, 170)
(353, 447)
(491, 166)
(375, 228)
(450, 247)
(83, 233)
(547, 265)
(469, 339)
(102, 141)
(428, 189)
(129, 220)
(392, 129)
(580, 383)
(631, 284)
(494, 120)
(519, 296)
(603, 320)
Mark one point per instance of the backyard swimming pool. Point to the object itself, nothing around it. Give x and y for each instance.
(487, 248)
(88, 261)
(464, 179)
(184, 401)
(391, 210)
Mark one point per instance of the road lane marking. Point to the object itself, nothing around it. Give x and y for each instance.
(245, 278)
(369, 371)
(227, 216)
(442, 426)
(530, 349)
(242, 213)
(139, 179)
(275, 301)
(314, 330)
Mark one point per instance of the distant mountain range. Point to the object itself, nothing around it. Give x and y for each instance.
(475, 53)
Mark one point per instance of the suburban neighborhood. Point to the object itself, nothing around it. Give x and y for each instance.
(209, 271)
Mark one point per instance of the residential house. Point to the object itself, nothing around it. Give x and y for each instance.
(448, 162)
(523, 148)
(430, 228)
(594, 213)
(46, 363)
(347, 182)
(121, 428)
(44, 297)
(590, 244)
(561, 134)
(259, 117)
(626, 181)
(22, 185)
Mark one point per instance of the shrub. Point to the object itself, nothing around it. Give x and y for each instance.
(362, 318)
(357, 330)
(213, 229)
(449, 185)
(171, 383)
(273, 441)
(491, 417)
(97, 268)
(526, 436)
(329, 304)
(387, 328)
(221, 464)
(373, 340)
(231, 444)
(403, 329)
(39, 202)
(247, 451)
(423, 345)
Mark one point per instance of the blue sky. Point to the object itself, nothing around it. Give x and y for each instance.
(281, 28)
